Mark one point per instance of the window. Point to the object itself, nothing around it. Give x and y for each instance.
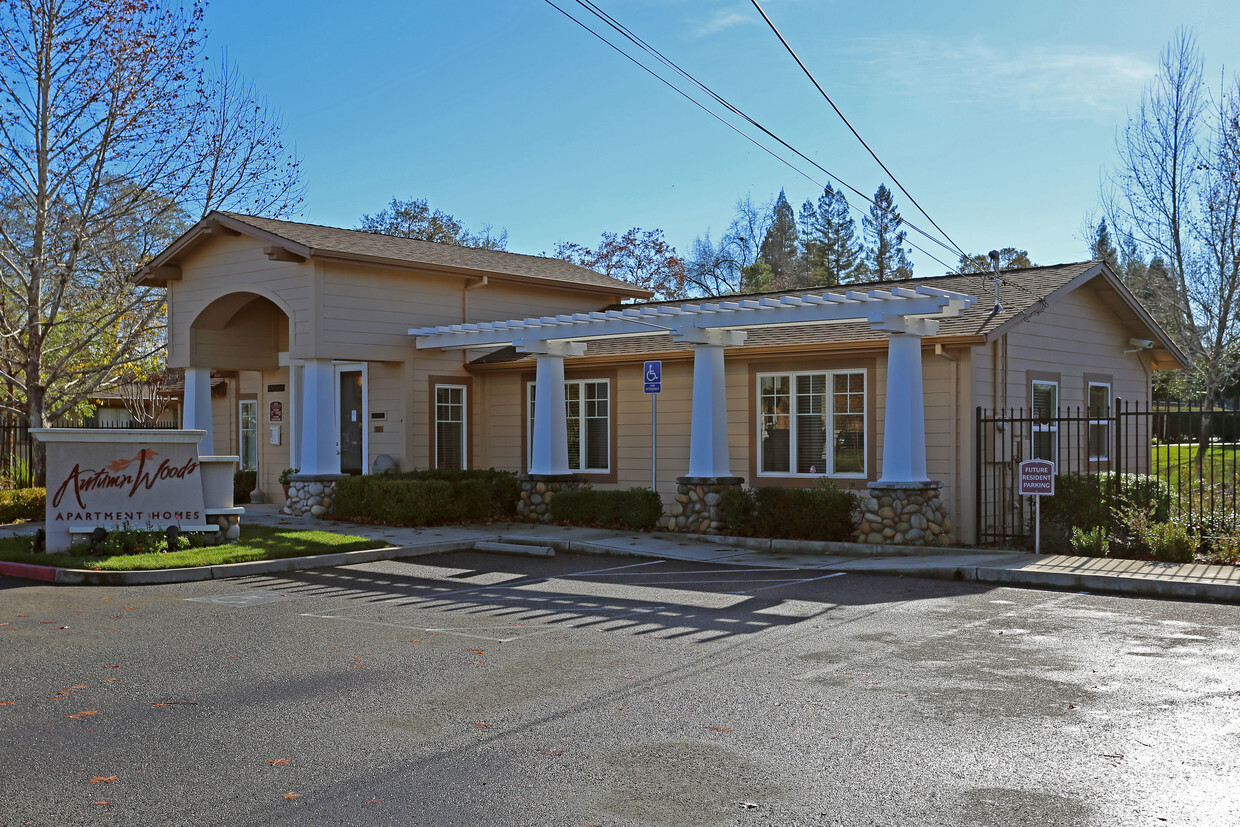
(249, 435)
(588, 411)
(1099, 421)
(1045, 410)
(812, 424)
(450, 426)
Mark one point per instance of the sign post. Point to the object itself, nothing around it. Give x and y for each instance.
(652, 379)
(1037, 478)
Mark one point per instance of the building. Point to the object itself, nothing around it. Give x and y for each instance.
(344, 350)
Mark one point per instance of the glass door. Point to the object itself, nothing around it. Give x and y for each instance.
(351, 417)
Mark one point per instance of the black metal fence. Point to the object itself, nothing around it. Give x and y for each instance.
(16, 460)
(1163, 440)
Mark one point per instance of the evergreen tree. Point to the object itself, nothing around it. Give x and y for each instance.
(1009, 259)
(885, 256)
(810, 246)
(779, 245)
(837, 251)
(1102, 249)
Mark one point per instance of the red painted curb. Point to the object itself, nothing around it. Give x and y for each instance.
(29, 571)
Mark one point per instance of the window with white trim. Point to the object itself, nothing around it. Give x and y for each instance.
(450, 429)
(587, 405)
(248, 438)
(812, 424)
(1099, 421)
(1044, 409)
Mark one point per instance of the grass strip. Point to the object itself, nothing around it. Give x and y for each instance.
(257, 543)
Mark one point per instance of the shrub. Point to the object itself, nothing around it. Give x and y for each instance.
(824, 512)
(428, 497)
(22, 504)
(243, 483)
(1088, 500)
(1169, 542)
(1091, 543)
(1224, 550)
(637, 509)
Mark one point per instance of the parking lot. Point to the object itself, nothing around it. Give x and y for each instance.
(475, 689)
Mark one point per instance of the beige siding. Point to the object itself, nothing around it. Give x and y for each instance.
(233, 265)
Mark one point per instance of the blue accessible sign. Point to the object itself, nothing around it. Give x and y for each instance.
(652, 373)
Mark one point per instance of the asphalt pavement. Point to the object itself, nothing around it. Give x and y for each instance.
(1129, 577)
(468, 688)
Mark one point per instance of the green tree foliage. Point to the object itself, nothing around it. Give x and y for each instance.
(414, 218)
(1102, 249)
(112, 138)
(1009, 259)
(779, 248)
(885, 256)
(640, 257)
(836, 254)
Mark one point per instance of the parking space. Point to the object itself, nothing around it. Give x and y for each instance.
(501, 599)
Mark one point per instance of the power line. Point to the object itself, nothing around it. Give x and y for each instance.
(671, 65)
(873, 155)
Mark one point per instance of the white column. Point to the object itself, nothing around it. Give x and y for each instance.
(549, 443)
(904, 428)
(317, 431)
(197, 413)
(708, 430)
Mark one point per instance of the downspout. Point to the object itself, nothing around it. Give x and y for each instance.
(955, 446)
(465, 297)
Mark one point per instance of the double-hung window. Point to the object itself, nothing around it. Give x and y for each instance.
(450, 422)
(812, 423)
(1099, 421)
(587, 406)
(1045, 412)
(249, 435)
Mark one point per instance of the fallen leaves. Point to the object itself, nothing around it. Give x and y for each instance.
(291, 795)
(105, 779)
(278, 761)
(551, 752)
(374, 801)
(83, 713)
(482, 725)
(7, 703)
(102, 803)
(718, 728)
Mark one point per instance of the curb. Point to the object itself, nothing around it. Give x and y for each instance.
(86, 577)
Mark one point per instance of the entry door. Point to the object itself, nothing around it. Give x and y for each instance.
(351, 417)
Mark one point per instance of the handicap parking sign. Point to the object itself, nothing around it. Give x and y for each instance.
(652, 373)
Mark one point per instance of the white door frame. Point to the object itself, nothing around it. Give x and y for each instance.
(344, 367)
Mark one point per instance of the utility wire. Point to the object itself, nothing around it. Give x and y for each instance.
(857, 134)
(667, 62)
(592, 7)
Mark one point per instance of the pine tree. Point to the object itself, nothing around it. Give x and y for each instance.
(835, 236)
(779, 245)
(1102, 249)
(885, 256)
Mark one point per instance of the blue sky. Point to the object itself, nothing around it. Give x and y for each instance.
(999, 118)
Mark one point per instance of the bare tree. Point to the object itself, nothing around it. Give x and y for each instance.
(146, 399)
(1177, 187)
(111, 139)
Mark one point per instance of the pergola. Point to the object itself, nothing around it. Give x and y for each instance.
(906, 315)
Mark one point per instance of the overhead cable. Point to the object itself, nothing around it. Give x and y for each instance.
(847, 123)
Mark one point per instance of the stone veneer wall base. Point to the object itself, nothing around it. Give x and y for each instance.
(905, 514)
(537, 491)
(697, 505)
(311, 495)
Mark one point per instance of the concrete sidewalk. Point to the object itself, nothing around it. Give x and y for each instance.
(1128, 577)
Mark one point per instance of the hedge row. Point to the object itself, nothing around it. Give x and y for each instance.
(637, 509)
(825, 512)
(428, 497)
(22, 504)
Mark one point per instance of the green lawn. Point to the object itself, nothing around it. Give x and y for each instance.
(257, 543)
(1177, 464)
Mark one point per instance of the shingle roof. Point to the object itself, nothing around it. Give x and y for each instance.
(1023, 292)
(314, 239)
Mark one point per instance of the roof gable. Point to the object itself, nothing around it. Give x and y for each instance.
(314, 241)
